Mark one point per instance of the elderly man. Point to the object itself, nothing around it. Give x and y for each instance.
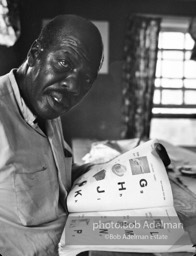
(35, 162)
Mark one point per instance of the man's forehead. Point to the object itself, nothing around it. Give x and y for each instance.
(85, 35)
(83, 38)
(70, 39)
(75, 46)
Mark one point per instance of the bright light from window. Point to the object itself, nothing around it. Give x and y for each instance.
(171, 40)
(189, 42)
(190, 69)
(157, 97)
(173, 69)
(190, 83)
(175, 82)
(187, 55)
(172, 83)
(184, 111)
(172, 55)
(190, 97)
(172, 97)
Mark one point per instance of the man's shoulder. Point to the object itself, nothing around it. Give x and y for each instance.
(5, 85)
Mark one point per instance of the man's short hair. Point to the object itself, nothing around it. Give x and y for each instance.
(56, 28)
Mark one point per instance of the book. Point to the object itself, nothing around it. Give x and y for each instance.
(126, 205)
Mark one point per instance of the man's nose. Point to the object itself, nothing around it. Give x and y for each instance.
(72, 84)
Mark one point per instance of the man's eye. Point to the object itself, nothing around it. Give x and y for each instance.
(66, 65)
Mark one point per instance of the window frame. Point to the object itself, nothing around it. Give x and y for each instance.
(174, 24)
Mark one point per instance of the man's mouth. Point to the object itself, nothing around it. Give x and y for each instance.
(57, 101)
(58, 97)
(60, 101)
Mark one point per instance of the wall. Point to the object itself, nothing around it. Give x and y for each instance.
(178, 131)
(99, 114)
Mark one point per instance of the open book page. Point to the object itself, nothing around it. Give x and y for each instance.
(143, 230)
(124, 205)
(133, 180)
(124, 227)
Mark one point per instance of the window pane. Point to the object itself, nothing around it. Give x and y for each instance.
(190, 97)
(157, 97)
(172, 83)
(172, 69)
(172, 97)
(190, 69)
(174, 110)
(190, 83)
(157, 82)
(188, 55)
(173, 55)
(159, 55)
(175, 71)
(158, 68)
(171, 40)
(189, 42)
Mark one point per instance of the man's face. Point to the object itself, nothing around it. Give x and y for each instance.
(60, 77)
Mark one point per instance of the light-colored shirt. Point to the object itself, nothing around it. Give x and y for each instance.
(35, 177)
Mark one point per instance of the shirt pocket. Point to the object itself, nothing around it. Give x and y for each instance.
(36, 195)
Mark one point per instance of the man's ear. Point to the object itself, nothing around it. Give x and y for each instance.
(34, 53)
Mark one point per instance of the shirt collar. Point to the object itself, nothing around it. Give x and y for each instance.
(26, 112)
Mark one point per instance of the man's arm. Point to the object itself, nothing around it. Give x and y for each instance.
(78, 170)
(184, 199)
(185, 205)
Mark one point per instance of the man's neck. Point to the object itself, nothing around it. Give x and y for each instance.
(21, 76)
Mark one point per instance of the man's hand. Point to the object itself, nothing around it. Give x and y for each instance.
(185, 206)
(184, 199)
(78, 170)
(161, 151)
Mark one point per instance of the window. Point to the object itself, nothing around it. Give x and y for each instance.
(175, 82)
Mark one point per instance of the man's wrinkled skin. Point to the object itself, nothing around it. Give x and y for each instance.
(59, 73)
(54, 79)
